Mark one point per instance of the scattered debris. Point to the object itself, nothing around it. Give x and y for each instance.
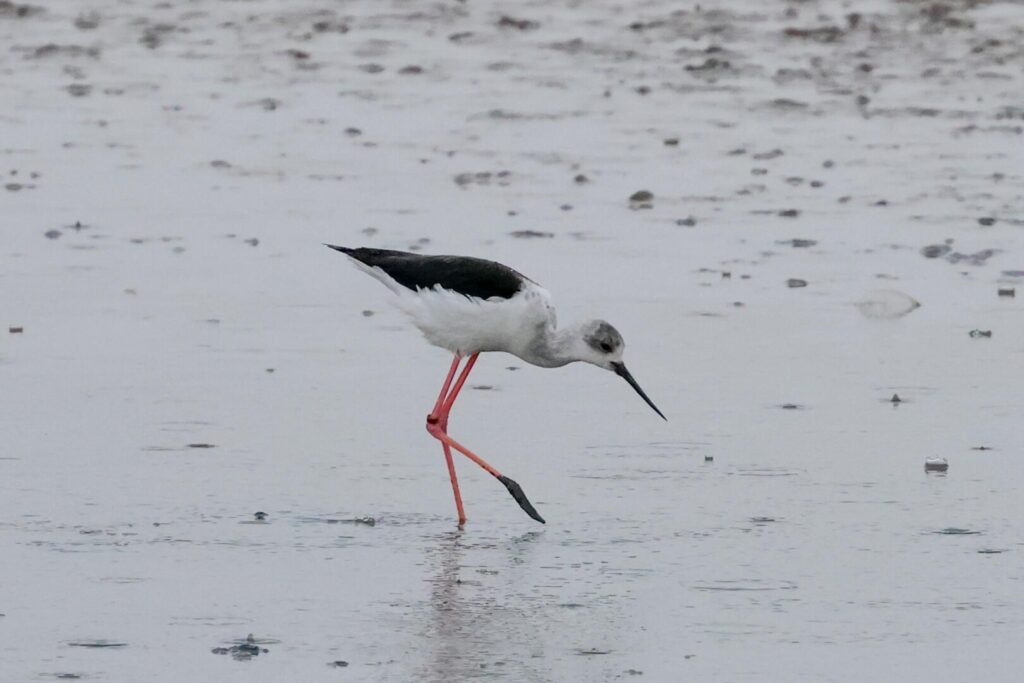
(365, 521)
(244, 650)
(767, 156)
(641, 199)
(10, 9)
(820, 34)
(798, 243)
(887, 304)
(101, 643)
(935, 250)
(501, 178)
(518, 24)
(530, 234)
(330, 27)
(87, 22)
(267, 103)
(978, 258)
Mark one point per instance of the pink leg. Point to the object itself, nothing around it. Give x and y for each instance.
(450, 401)
(442, 421)
(437, 426)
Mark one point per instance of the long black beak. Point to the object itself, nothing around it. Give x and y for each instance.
(621, 371)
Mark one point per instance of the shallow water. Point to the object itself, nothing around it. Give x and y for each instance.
(190, 355)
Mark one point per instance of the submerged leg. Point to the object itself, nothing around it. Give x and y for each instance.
(437, 425)
(443, 422)
(511, 485)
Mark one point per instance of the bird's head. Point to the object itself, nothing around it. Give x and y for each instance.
(601, 344)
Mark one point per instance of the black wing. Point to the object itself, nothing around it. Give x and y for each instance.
(463, 274)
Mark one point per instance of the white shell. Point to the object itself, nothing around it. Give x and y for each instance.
(886, 304)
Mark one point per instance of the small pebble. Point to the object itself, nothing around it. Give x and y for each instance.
(980, 334)
(529, 234)
(1009, 291)
(641, 199)
(794, 283)
(798, 242)
(935, 250)
(15, 330)
(936, 465)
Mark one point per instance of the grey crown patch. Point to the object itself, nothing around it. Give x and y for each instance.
(604, 338)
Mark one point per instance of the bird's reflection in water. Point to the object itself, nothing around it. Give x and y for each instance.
(484, 619)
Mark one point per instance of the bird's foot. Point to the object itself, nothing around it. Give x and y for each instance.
(517, 492)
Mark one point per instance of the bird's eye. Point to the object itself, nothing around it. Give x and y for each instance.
(606, 347)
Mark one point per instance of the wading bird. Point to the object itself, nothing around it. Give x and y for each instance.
(470, 305)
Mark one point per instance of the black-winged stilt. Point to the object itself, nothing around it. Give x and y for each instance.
(470, 305)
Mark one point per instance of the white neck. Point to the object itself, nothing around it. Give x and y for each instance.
(555, 348)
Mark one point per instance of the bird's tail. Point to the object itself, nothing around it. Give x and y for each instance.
(374, 271)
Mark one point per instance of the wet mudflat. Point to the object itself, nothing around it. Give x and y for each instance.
(213, 463)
